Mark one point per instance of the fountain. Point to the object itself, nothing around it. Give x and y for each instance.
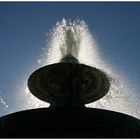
(68, 85)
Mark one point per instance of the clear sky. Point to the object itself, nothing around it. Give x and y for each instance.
(23, 27)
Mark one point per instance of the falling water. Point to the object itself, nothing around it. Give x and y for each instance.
(75, 38)
(2, 101)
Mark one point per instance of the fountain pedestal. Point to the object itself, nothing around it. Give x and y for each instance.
(68, 83)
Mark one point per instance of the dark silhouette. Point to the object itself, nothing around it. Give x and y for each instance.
(68, 86)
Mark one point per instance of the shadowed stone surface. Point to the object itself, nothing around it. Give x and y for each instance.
(69, 123)
(67, 84)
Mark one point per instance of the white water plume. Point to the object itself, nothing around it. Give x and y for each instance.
(3, 101)
(120, 97)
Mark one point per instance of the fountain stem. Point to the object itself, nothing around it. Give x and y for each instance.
(69, 59)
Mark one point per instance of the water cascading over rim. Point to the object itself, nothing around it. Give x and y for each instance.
(68, 83)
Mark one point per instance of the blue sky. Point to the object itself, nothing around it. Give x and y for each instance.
(23, 27)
